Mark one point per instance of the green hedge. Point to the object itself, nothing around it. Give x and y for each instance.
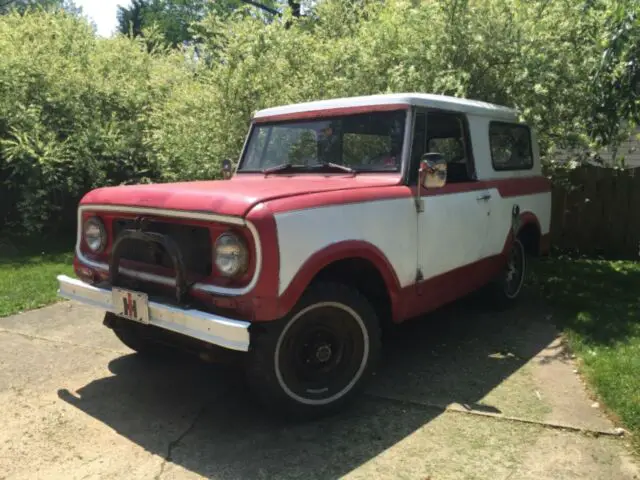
(77, 112)
(74, 114)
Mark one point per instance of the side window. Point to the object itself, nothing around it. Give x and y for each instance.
(510, 146)
(446, 135)
(451, 148)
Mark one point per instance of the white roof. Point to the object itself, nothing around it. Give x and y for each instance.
(416, 99)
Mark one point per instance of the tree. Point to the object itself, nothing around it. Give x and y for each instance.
(176, 18)
(616, 79)
(295, 7)
(131, 19)
(21, 6)
(79, 112)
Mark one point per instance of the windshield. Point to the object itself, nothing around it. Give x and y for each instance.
(370, 142)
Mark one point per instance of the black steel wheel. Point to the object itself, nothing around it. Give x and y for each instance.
(507, 286)
(317, 358)
(515, 271)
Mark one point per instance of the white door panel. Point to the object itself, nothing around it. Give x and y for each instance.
(453, 231)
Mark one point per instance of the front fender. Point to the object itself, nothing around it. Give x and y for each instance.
(349, 249)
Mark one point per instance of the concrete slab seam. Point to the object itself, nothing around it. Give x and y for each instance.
(464, 411)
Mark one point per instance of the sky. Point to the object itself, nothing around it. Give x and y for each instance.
(102, 13)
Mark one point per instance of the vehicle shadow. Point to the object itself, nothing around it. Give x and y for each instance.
(202, 417)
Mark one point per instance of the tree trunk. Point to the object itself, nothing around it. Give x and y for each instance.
(295, 7)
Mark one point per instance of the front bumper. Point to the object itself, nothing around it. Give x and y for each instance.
(214, 329)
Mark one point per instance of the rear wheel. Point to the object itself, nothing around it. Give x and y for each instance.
(506, 288)
(516, 270)
(316, 359)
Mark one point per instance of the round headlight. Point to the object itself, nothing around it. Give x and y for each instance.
(231, 255)
(95, 235)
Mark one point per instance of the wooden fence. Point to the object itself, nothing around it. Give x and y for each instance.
(599, 214)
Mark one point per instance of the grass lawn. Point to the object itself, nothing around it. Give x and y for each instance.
(598, 307)
(28, 272)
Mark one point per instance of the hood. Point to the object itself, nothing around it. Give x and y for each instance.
(233, 197)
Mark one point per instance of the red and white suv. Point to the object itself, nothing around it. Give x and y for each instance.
(341, 216)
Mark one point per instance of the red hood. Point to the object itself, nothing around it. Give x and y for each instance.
(230, 197)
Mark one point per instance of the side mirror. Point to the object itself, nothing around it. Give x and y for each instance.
(227, 171)
(433, 171)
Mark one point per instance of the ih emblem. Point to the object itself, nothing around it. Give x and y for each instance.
(130, 307)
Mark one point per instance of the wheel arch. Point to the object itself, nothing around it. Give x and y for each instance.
(354, 262)
(529, 233)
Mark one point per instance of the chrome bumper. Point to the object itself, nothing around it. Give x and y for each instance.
(225, 332)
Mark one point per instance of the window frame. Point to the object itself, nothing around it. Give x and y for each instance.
(407, 125)
(516, 125)
(411, 172)
(463, 118)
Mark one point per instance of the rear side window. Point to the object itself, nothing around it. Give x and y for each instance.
(510, 146)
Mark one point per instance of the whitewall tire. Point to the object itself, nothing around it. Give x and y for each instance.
(316, 359)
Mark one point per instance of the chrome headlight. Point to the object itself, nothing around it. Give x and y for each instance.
(95, 235)
(231, 255)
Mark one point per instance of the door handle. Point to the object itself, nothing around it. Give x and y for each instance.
(485, 196)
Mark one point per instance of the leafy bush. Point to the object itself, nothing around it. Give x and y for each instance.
(73, 114)
(77, 112)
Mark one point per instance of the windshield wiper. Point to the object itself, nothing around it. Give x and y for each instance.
(283, 167)
(335, 166)
(288, 167)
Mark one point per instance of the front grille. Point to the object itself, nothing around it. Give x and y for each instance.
(194, 243)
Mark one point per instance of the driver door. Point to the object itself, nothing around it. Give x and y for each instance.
(454, 221)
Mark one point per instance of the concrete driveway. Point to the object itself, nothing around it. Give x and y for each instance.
(467, 393)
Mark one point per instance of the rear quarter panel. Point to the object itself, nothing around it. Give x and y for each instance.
(526, 188)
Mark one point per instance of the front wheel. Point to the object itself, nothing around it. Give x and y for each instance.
(316, 359)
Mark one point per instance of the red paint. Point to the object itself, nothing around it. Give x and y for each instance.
(407, 302)
(339, 197)
(263, 220)
(233, 197)
(84, 273)
(413, 300)
(259, 198)
(516, 187)
(262, 302)
(237, 196)
(215, 230)
(333, 253)
(331, 112)
(410, 301)
(443, 289)
(507, 187)
(527, 218)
